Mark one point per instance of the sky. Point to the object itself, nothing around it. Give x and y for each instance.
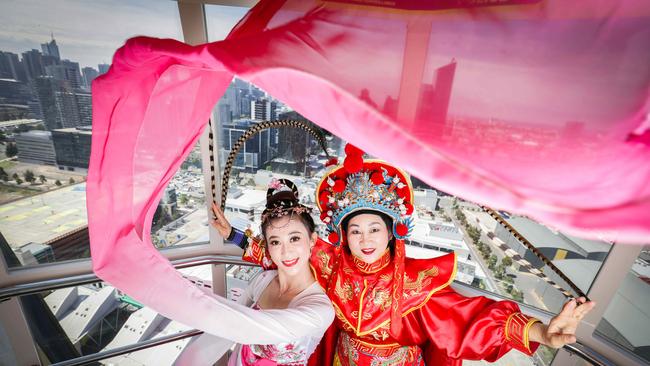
(89, 31)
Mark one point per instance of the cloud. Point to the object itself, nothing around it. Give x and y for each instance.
(89, 32)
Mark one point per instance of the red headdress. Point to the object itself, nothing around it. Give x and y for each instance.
(360, 184)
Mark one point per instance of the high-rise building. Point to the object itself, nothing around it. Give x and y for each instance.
(242, 85)
(224, 115)
(293, 144)
(45, 89)
(89, 74)
(33, 63)
(434, 101)
(66, 108)
(60, 105)
(36, 147)
(245, 106)
(51, 49)
(255, 153)
(72, 146)
(67, 71)
(11, 67)
(256, 92)
(74, 108)
(233, 99)
(85, 107)
(13, 91)
(103, 68)
(263, 110)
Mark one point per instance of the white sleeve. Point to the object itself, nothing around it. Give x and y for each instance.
(205, 349)
(310, 315)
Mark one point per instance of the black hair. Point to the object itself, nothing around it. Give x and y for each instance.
(287, 199)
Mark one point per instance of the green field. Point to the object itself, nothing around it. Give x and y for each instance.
(7, 164)
(8, 193)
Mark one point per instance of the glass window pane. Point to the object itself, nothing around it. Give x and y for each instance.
(83, 320)
(49, 55)
(181, 216)
(221, 19)
(626, 321)
(489, 257)
(237, 279)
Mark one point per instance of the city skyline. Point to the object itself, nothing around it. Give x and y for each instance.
(92, 38)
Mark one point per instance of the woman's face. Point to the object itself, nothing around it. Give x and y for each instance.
(368, 237)
(289, 244)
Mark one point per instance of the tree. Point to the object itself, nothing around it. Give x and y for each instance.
(15, 176)
(58, 183)
(42, 178)
(19, 181)
(3, 173)
(29, 176)
(461, 217)
(71, 181)
(485, 250)
(506, 261)
(517, 295)
(500, 272)
(11, 150)
(492, 262)
(182, 199)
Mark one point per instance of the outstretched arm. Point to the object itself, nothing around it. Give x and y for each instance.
(561, 329)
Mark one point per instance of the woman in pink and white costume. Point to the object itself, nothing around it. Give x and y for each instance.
(284, 310)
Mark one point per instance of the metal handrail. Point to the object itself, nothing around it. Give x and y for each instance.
(588, 354)
(99, 356)
(84, 279)
(55, 284)
(578, 348)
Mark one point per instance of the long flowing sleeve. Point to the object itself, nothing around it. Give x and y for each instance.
(472, 328)
(309, 315)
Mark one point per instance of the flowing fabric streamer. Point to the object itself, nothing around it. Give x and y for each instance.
(536, 107)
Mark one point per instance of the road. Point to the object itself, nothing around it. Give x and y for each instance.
(476, 256)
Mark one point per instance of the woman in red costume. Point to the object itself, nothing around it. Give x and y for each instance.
(393, 310)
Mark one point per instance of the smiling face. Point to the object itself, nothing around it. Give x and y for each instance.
(289, 244)
(368, 237)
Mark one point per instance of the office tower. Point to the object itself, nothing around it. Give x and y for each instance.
(103, 68)
(51, 49)
(67, 71)
(45, 88)
(434, 101)
(89, 74)
(11, 67)
(36, 147)
(72, 147)
(263, 110)
(33, 63)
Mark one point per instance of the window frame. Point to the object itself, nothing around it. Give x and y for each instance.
(194, 28)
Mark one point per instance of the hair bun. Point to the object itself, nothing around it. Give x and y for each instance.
(284, 199)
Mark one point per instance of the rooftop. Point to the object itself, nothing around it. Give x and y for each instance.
(47, 215)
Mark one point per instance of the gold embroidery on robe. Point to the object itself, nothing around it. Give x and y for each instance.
(423, 280)
(324, 263)
(345, 291)
(381, 298)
